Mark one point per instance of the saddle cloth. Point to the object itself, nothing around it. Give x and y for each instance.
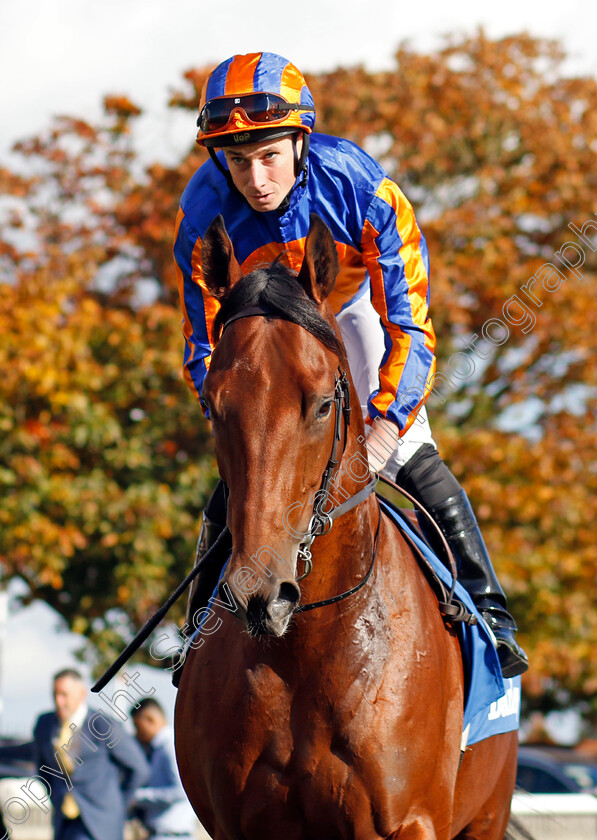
(492, 703)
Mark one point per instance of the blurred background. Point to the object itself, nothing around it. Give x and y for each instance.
(485, 117)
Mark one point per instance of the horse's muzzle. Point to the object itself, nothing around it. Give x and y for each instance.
(268, 613)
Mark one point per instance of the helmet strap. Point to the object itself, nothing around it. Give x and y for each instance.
(300, 164)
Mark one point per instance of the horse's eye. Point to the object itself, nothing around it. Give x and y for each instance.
(324, 409)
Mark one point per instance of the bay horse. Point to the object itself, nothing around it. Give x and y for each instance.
(343, 721)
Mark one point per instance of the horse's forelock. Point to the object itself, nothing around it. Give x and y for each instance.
(277, 289)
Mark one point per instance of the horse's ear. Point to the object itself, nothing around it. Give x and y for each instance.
(221, 270)
(320, 265)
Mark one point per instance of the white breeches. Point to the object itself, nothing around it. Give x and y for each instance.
(364, 340)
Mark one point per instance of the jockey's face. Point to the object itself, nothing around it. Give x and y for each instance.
(264, 172)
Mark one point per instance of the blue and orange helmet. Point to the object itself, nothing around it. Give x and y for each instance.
(254, 97)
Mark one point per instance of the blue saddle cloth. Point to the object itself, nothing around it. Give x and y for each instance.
(492, 703)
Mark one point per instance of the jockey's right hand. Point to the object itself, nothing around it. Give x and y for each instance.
(382, 439)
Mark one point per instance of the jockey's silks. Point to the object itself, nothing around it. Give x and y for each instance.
(381, 249)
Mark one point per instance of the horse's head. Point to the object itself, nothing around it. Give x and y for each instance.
(273, 395)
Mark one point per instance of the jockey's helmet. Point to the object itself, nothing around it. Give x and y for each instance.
(253, 97)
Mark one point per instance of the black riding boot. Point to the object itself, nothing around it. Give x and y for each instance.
(430, 481)
(457, 521)
(213, 523)
(202, 587)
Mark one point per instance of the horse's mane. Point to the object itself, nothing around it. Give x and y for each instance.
(277, 290)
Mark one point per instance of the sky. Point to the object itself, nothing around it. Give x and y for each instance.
(63, 56)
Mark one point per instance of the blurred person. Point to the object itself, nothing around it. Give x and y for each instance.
(91, 765)
(271, 173)
(161, 805)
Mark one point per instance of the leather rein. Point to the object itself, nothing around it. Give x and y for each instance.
(323, 519)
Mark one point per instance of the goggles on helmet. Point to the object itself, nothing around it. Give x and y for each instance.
(257, 108)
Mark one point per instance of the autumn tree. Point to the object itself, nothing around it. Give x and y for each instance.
(105, 461)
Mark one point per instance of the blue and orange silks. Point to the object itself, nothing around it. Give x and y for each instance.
(381, 249)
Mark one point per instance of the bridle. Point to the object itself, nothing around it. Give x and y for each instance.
(323, 515)
(323, 518)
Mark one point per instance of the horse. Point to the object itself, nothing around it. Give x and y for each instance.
(327, 705)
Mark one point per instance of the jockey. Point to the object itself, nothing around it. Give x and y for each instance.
(271, 172)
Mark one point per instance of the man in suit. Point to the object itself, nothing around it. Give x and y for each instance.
(91, 765)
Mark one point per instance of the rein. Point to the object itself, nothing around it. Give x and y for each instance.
(322, 520)
(349, 592)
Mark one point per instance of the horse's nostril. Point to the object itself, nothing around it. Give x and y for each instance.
(285, 601)
(289, 592)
